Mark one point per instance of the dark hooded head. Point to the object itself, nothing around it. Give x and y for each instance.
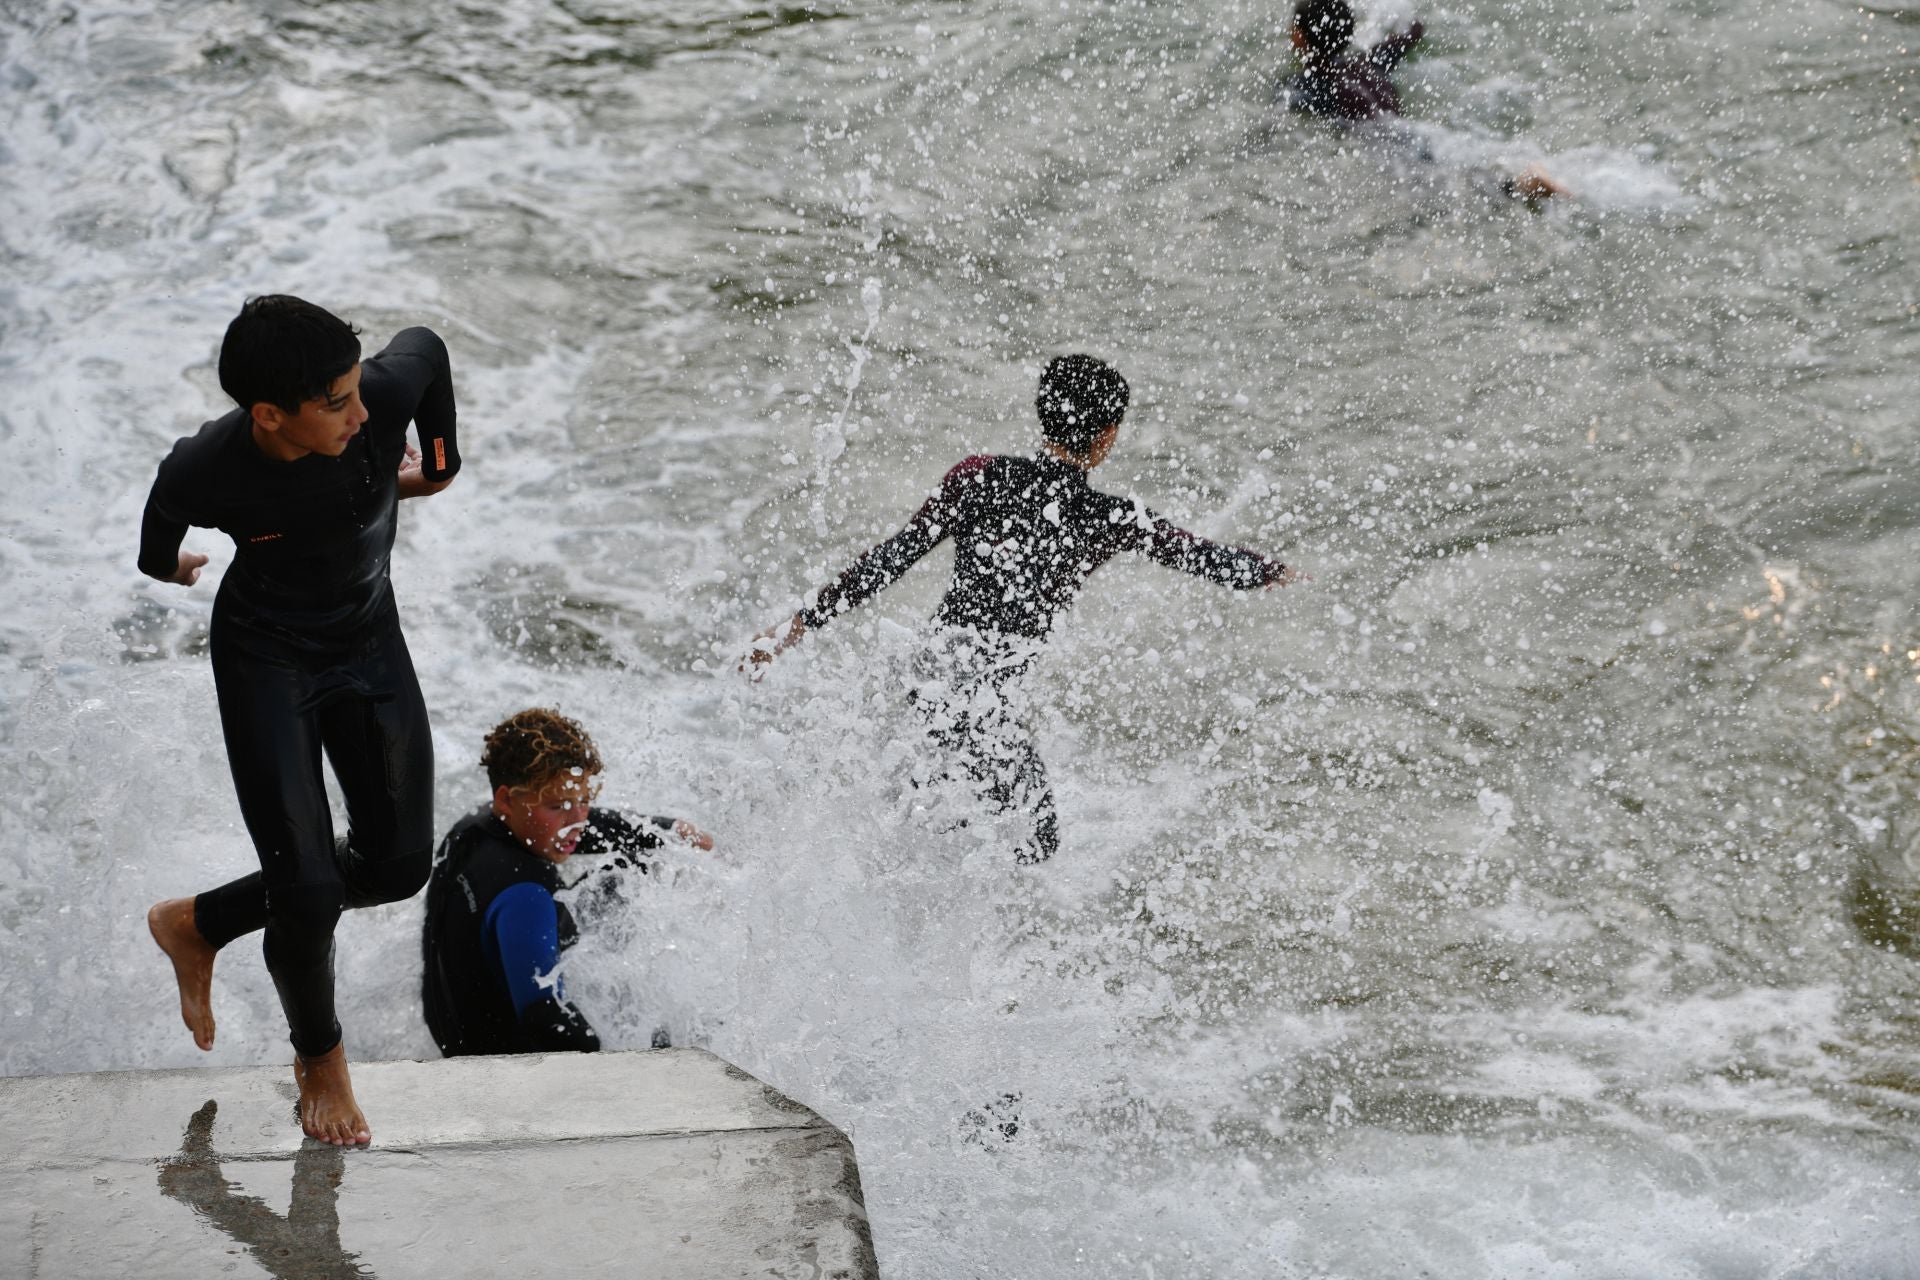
(1326, 25)
(1079, 398)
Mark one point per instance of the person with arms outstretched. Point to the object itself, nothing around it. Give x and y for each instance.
(306, 477)
(1339, 81)
(494, 931)
(1028, 532)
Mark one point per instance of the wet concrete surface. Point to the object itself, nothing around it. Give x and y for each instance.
(668, 1163)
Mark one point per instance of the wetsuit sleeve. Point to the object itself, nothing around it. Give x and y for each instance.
(1175, 548)
(879, 568)
(418, 363)
(1387, 54)
(164, 523)
(625, 839)
(160, 539)
(524, 929)
(610, 831)
(523, 932)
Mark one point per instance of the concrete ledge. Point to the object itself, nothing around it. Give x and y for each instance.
(668, 1163)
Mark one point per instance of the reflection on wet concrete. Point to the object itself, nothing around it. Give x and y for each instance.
(302, 1245)
(665, 1163)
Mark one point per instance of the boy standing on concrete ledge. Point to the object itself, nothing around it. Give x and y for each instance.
(306, 477)
(1028, 532)
(494, 931)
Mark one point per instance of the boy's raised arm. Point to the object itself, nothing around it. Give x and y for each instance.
(419, 358)
(1387, 54)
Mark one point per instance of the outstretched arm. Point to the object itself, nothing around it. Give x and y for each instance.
(879, 568)
(873, 572)
(1387, 54)
(626, 844)
(610, 831)
(1233, 567)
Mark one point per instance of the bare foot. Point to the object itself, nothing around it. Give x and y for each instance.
(1535, 185)
(171, 923)
(327, 1109)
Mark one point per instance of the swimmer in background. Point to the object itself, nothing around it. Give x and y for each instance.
(494, 931)
(1338, 81)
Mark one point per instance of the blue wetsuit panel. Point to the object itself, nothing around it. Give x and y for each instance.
(522, 941)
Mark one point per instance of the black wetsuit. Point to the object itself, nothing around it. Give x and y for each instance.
(494, 934)
(308, 658)
(1350, 85)
(1027, 534)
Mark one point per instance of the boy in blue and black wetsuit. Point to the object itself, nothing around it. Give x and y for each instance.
(1028, 532)
(306, 477)
(494, 930)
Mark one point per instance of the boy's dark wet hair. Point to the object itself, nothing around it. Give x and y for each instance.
(283, 351)
(1327, 24)
(534, 747)
(1079, 398)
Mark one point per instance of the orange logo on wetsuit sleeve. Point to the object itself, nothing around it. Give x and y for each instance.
(439, 454)
(265, 537)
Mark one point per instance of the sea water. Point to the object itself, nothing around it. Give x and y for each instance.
(1534, 893)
